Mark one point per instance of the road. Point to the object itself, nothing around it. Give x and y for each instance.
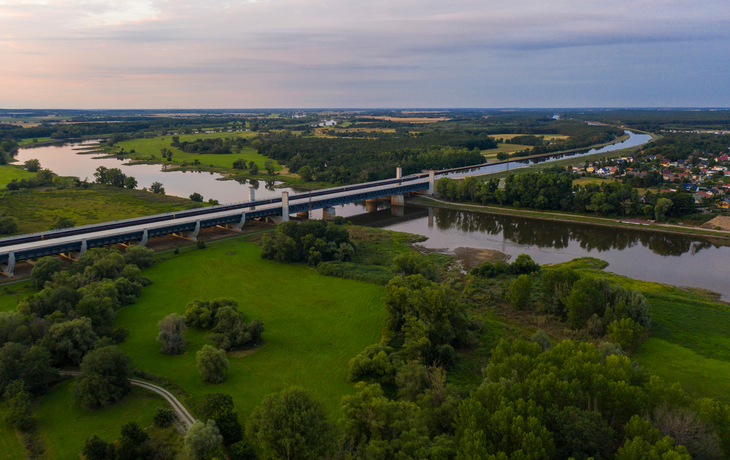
(186, 419)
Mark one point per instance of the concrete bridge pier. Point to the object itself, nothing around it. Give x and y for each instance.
(9, 268)
(303, 215)
(252, 196)
(145, 237)
(328, 213)
(397, 200)
(192, 236)
(371, 205)
(237, 227)
(76, 255)
(284, 209)
(431, 182)
(430, 217)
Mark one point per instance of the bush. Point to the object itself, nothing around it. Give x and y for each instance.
(219, 408)
(542, 339)
(62, 222)
(242, 450)
(202, 439)
(520, 292)
(201, 244)
(311, 241)
(164, 416)
(197, 197)
(626, 333)
(212, 364)
(524, 265)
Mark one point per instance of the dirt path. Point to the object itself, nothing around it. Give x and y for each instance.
(186, 419)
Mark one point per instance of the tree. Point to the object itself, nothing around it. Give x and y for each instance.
(626, 333)
(212, 364)
(8, 225)
(291, 424)
(202, 439)
(96, 448)
(580, 434)
(104, 379)
(157, 188)
(19, 413)
(140, 256)
(413, 263)
(662, 206)
(62, 222)
(43, 270)
(172, 334)
(197, 197)
(240, 164)
(520, 291)
(242, 450)
(69, 341)
(130, 183)
(306, 174)
(269, 166)
(219, 407)
(33, 165)
(253, 168)
(542, 339)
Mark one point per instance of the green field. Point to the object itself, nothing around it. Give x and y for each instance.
(149, 150)
(65, 425)
(689, 343)
(32, 140)
(313, 324)
(10, 172)
(507, 148)
(36, 210)
(10, 446)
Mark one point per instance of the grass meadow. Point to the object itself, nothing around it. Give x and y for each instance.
(149, 150)
(36, 210)
(10, 446)
(64, 424)
(10, 172)
(313, 324)
(506, 148)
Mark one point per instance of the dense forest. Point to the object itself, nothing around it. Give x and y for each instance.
(556, 192)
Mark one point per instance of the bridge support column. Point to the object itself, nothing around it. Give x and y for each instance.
(252, 196)
(284, 206)
(399, 173)
(431, 182)
(430, 217)
(237, 227)
(371, 205)
(9, 268)
(397, 200)
(192, 236)
(303, 215)
(145, 236)
(328, 213)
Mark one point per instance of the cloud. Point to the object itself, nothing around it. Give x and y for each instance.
(409, 52)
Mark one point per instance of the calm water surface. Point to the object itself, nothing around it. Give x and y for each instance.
(646, 255)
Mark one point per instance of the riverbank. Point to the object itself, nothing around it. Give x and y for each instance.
(570, 217)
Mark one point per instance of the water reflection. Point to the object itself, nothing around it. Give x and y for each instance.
(648, 255)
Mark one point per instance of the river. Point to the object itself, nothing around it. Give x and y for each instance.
(647, 255)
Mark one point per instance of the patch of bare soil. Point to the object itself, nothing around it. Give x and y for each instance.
(471, 257)
(720, 221)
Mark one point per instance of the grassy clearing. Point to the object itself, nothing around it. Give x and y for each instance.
(506, 148)
(34, 140)
(314, 324)
(65, 425)
(36, 210)
(149, 150)
(547, 137)
(10, 172)
(689, 335)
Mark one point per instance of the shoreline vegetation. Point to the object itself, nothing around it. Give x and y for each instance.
(570, 217)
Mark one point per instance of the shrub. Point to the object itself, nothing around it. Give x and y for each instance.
(164, 416)
(104, 378)
(520, 291)
(8, 225)
(413, 263)
(542, 339)
(140, 256)
(202, 439)
(626, 333)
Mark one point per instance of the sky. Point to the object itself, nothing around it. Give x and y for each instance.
(176, 54)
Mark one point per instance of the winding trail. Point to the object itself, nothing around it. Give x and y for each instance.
(186, 419)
